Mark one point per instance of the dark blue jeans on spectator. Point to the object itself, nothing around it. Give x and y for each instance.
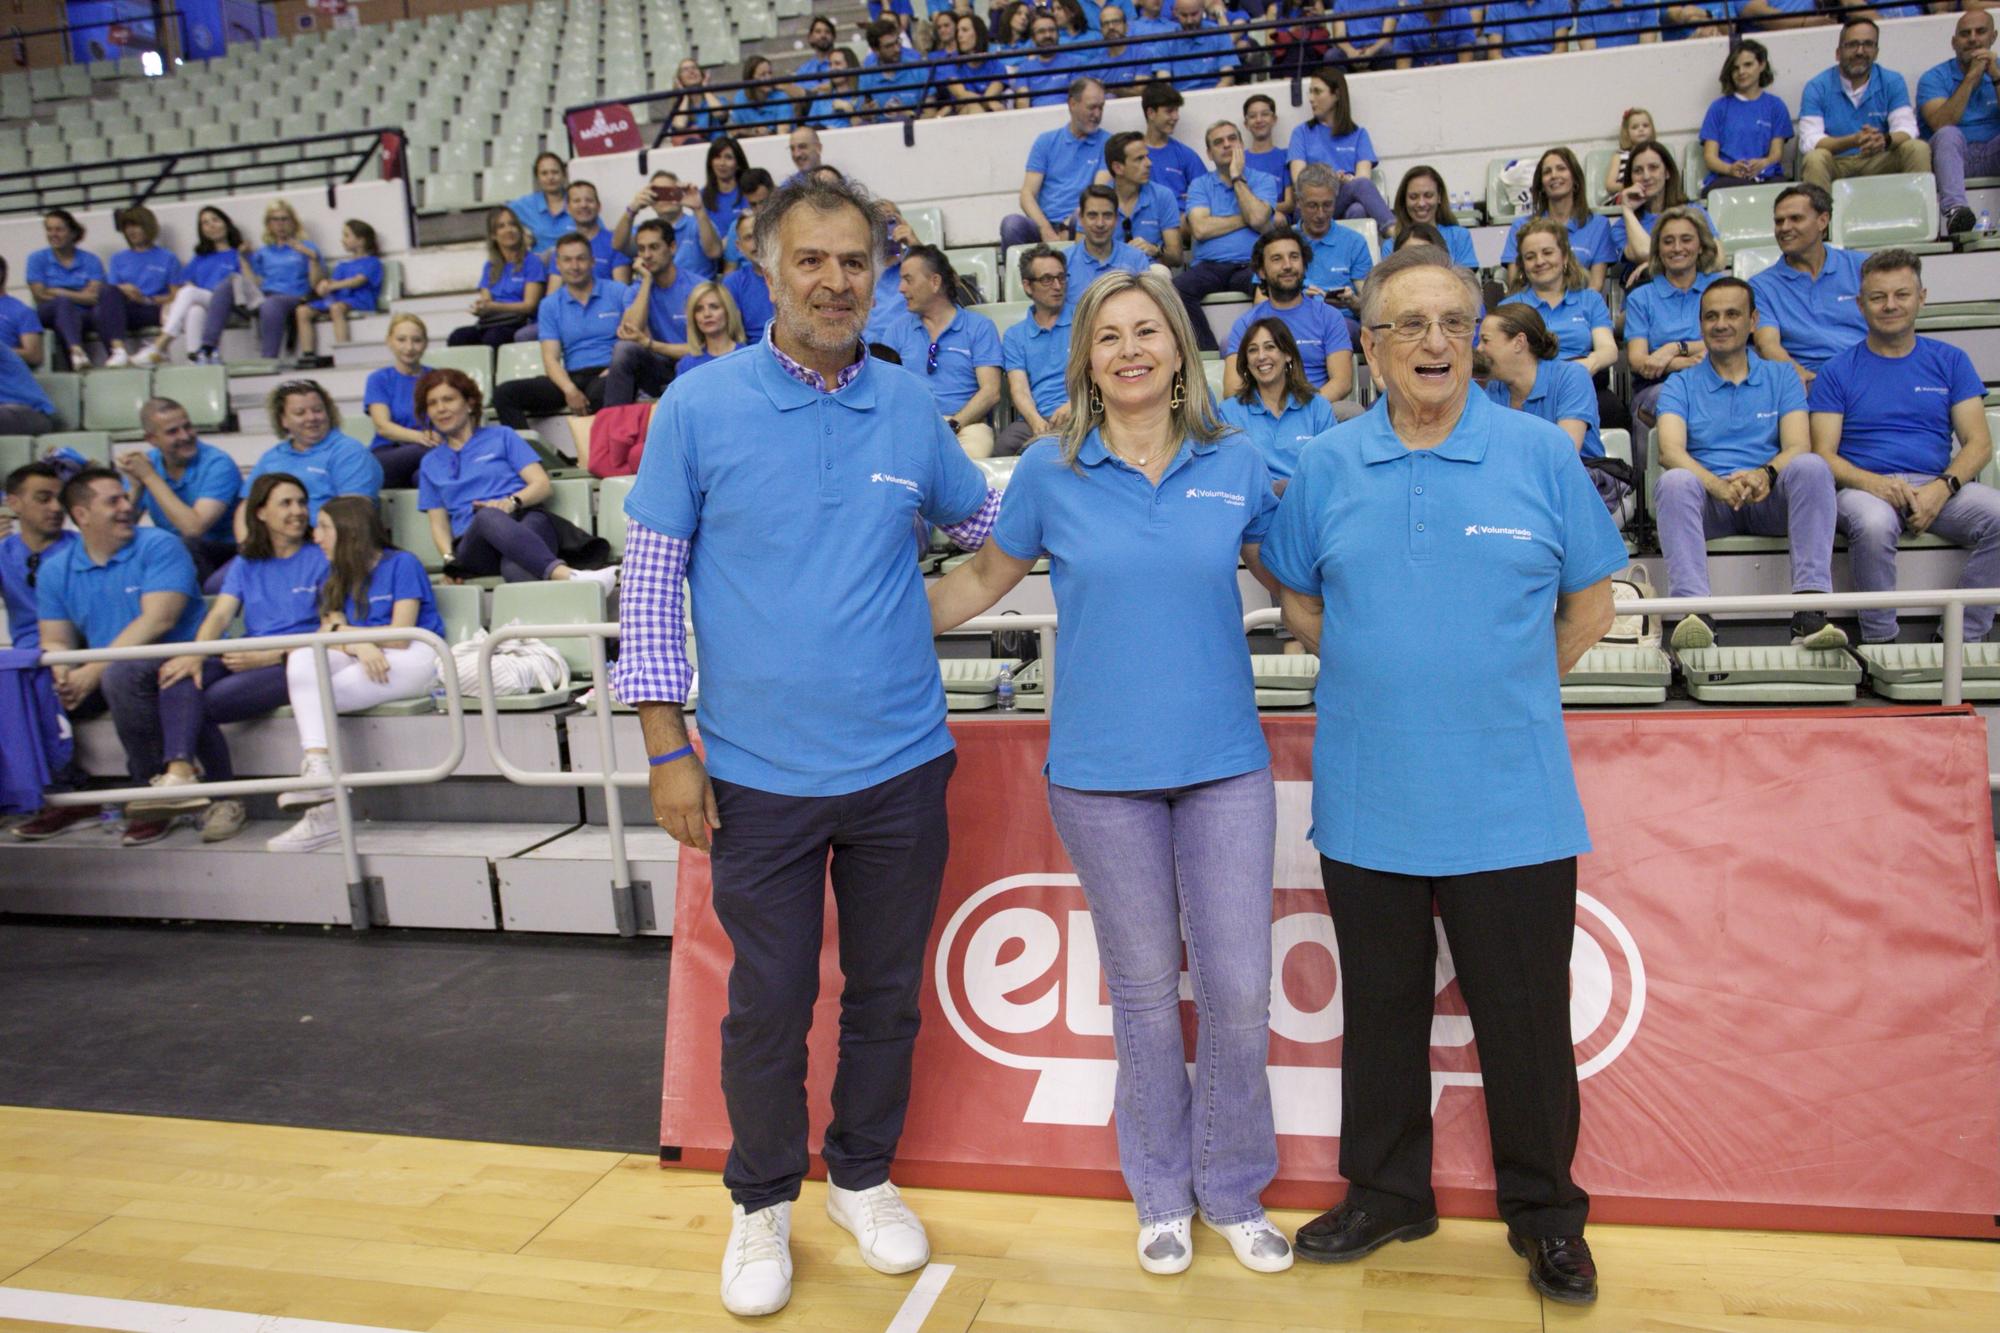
(118, 315)
(520, 548)
(68, 319)
(1205, 279)
(158, 726)
(210, 557)
(233, 696)
(399, 464)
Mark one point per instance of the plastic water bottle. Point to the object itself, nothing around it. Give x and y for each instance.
(440, 701)
(1003, 691)
(1985, 220)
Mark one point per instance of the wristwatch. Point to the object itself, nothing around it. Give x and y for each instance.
(1771, 472)
(953, 423)
(514, 504)
(1951, 483)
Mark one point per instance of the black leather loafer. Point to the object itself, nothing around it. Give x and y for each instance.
(1347, 1233)
(1560, 1267)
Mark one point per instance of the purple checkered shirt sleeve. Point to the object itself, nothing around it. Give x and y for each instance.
(652, 665)
(973, 532)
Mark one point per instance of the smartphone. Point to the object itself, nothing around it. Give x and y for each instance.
(662, 196)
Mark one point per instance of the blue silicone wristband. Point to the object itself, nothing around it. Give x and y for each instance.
(670, 756)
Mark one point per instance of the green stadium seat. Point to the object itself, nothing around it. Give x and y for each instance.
(1004, 314)
(978, 262)
(19, 451)
(458, 606)
(1624, 674)
(517, 361)
(65, 390)
(1284, 680)
(570, 498)
(410, 528)
(568, 602)
(476, 361)
(392, 282)
(202, 390)
(1213, 371)
(449, 192)
(1742, 214)
(1366, 229)
(611, 493)
(927, 223)
(1872, 212)
(112, 399)
(1769, 674)
(1914, 672)
(1751, 260)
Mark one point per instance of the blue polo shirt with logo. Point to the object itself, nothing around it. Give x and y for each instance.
(1219, 198)
(283, 271)
(1042, 355)
(397, 577)
(587, 329)
(83, 269)
(1732, 427)
(1067, 164)
(24, 618)
(487, 467)
(1153, 211)
(1085, 268)
(1593, 241)
(17, 320)
(1146, 570)
(101, 600)
(152, 270)
(337, 465)
(544, 226)
(969, 342)
(1318, 328)
(1743, 128)
(1571, 319)
(1339, 259)
(1278, 438)
(1314, 142)
(1175, 167)
(752, 294)
(666, 307)
(397, 392)
(1826, 97)
(1562, 391)
(510, 281)
(1662, 313)
(1897, 410)
(1981, 118)
(211, 475)
(1816, 318)
(800, 506)
(279, 596)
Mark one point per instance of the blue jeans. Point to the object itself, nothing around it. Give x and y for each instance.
(158, 726)
(1152, 862)
(1871, 526)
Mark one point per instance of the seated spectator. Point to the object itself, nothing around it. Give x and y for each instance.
(1034, 353)
(698, 248)
(483, 489)
(544, 210)
(389, 397)
(698, 113)
(1061, 162)
(578, 322)
(1808, 306)
(1148, 218)
(1558, 195)
(955, 350)
(1553, 284)
(1332, 137)
(1855, 118)
(900, 13)
(892, 88)
(1298, 50)
(1363, 34)
(1663, 332)
(1635, 127)
(653, 333)
(68, 285)
(1422, 197)
(1228, 209)
(755, 186)
(1319, 333)
(354, 289)
(195, 312)
(1526, 28)
(747, 284)
(20, 326)
(715, 327)
(886, 308)
(1655, 188)
(1773, 15)
(606, 262)
(1736, 459)
(117, 586)
(763, 109)
(1883, 416)
(142, 281)
(1959, 104)
(1205, 55)
(369, 584)
(821, 38)
(1435, 35)
(274, 584)
(1527, 373)
(1116, 63)
(978, 80)
(286, 268)
(1744, 132)
(1274, 403)
(1041, 75)
(25, 408)
(836, 101)
(1175, 165)
(1261, 150)
(1077, 25)
(186, 487)
(314, 449)
(1604, 24)
(34, 498)
(805, 149)
(1010, 27)
(1099, 251)
(938, 41)
(510, 285)
(1340, 260)
(722, 190)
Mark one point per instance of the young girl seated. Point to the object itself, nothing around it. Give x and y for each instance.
(354, 289)
(401, 437)
(1636, 128)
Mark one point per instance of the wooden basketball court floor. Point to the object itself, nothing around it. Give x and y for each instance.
(134, 1223)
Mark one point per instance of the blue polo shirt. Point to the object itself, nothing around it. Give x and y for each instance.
(1815, 317)
(1981, 118)
(728, 203)
(1593, 241)
(800, 506)
(19, 385)
(83, 269)
(1211, 193)
(24, 617)
(1314, 142)
(1743, 128)
(753, 300)
(398, 577)
(967, 343)
(1662, 313)
(101, 600)
(1897, 410)
(1434, 36)
(207, 271)
(1363, 19)
(153, 270)
(898, 88)
(886, 309)
(1067, 164)
(283, 271)
(1145, 572)
(587, 329)
(279, 596)
(17, 320)
(1042, 355)
(1271, 163)
(337, 465)
(1339, 259)
(361, 300)
(1175, 167)
(1201, 56)
(487, 467)
(666, 308)
(1562, 391)
(1826, 97)
(1278, 439)
(689, 257)
(1044, 82)
(510, 281)
(1458, 244)
(1732, 427)
(211, 475)
(1154, 210)
(1527, 27)
(604, 256)
(1319, 329)
(1085, 269)
(1613, 22)
(1439, 748)
(1649, 220)
(1571, 319)
(747, 114)
(544, 226)
(397, 392)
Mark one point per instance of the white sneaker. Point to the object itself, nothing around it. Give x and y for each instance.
(1259, 1246)
(757, 1266)
(170, 804)
(148, 355)
(320, 826)
(892, 1240)
(608, 576)
(315, 766)
(1166, 1247)
(118, 357)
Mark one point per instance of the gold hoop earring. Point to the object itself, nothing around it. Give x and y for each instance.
(1096, 402)
(1179, 400)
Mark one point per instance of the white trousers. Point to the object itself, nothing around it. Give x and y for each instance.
(188, 305)
(412, 671)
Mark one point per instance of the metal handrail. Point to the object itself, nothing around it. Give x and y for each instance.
(359, 913)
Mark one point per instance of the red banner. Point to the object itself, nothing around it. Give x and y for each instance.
(1783, 985)
(611, 128)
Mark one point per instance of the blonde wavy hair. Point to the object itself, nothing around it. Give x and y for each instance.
(1710, 258)
(280, 208)
(1194, 419)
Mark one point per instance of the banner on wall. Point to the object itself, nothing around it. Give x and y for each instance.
(604, 129)
(110, 29)
(1785, 985)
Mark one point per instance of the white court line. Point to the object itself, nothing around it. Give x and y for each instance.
(54, 1307)
(917, 1305)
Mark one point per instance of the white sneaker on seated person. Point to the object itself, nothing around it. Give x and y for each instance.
(320, 826)
(757, 1265)
(891, 1238)
(313, 766)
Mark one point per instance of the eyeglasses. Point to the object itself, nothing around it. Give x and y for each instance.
(1047, 278)
(930, 361)
(1412, 328)
(1127, 223)
(34, 563)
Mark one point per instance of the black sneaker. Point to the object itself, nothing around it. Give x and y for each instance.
(1692, 632)
(1811, 629)
(1959, 219)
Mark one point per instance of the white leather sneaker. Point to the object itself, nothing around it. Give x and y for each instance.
(312, 766)
(1166, 1247)
(1259, 1246)
(892, 1240)
(757, 1266)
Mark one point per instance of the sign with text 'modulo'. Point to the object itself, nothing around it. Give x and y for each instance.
(1785, 985)
(604, 129)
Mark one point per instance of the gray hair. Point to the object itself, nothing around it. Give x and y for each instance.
(1317, 176)
(1039, 250)
(822, 196)
(1376, 288)
(153, 409)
